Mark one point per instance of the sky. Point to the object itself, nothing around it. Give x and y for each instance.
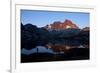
(42, 18)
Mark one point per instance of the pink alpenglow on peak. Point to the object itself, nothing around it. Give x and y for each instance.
(57, 25)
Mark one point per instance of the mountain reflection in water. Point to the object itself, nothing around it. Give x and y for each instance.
(56, 52)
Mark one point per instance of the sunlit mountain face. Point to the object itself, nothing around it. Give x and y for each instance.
(57, 25)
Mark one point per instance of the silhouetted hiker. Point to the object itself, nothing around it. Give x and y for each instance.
(37, 49)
